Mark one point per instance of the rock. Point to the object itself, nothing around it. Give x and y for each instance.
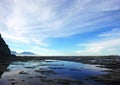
(4, 49)
(22, 72)
(4, 56)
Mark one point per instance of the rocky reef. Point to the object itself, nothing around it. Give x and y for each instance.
(4, 49)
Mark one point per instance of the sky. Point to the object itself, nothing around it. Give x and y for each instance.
(61, 27)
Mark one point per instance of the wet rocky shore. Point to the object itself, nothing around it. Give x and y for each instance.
(110, 62)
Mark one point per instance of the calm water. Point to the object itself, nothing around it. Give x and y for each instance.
(50, 72)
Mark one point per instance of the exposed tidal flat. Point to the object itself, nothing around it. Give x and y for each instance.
(60, 70)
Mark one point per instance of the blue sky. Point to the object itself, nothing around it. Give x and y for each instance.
(61, 27)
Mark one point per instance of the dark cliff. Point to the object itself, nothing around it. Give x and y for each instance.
(5, 56)
(4, 49)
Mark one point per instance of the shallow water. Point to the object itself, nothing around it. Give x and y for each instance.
(50, 72)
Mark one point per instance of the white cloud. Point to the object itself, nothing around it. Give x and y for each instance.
(45, 18)
(45, 51)
(109, 5)
(113, 33)
(105, 47)
(33, 21)
(108, 44)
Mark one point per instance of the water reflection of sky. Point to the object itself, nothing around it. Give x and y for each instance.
(63, 69)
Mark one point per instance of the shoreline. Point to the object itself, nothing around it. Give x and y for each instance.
(110, 62)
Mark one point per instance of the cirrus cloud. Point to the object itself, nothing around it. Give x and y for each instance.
(108, 44)
(36, 21)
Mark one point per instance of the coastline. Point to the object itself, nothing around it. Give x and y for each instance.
(110, 62)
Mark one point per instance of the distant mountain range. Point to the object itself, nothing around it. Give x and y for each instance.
(14, 52)
(28, 53)
(25, 53)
